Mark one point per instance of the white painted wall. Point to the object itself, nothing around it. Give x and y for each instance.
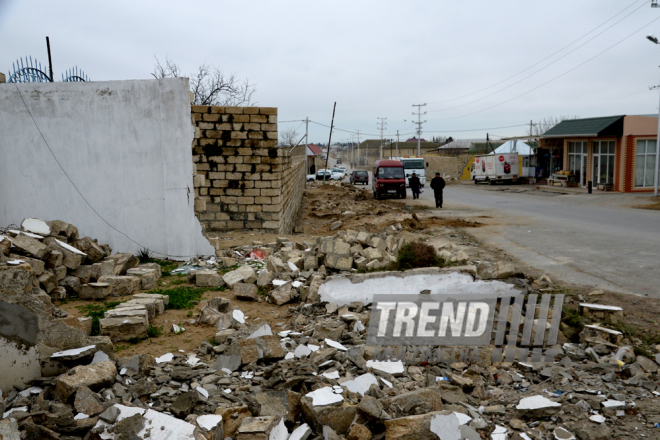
(127, 147)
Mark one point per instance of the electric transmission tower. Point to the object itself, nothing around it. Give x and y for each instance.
(382, 127)
(419, 124)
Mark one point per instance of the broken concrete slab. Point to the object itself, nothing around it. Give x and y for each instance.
(125, 328)
(244, 274)
(95, 377)
(121, 285)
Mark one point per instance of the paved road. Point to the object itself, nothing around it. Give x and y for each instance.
(593, 240)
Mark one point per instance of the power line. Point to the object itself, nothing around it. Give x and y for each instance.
(553, 79)
(551, 55)
(536, 71)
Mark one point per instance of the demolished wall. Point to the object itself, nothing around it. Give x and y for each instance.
(126, 147)
(243, 180)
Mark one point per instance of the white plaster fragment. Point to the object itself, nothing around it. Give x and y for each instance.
(81, 416)
(601, 307)
(202, 391)
(238, 316)
(597, 418)
(279, 432)
(72, 352)
(301, 432)
(99, 356)
(335, 344)
(361, 383)
(446, 427)
(393, 367)
(70, 248)
(208, 421)
(167, 357)
(323, 396)
(463, 419)
(613, 404)
(499, 433)
(331, 375)
(36, 226)
(302, 350)
(536, 402)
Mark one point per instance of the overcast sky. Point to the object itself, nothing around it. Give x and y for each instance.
(480, 65)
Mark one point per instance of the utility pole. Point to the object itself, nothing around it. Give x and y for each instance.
(307, 148)
(358, 141)
(382, 127)
(327, 156)
(419, 125)
(397, 143)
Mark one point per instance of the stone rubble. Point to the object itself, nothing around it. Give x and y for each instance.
(316, 379)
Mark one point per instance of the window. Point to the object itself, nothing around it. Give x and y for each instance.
(413, 164)
(645, 163)
(390, 173)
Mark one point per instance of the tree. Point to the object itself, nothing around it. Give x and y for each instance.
(209, 85)
(289, 137)
(546, 124)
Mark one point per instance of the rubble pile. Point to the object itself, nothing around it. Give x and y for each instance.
(315, 376)
(66, 265)
(318, 379)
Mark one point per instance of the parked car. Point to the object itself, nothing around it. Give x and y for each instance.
(310, 177)
(339, 171)
(343, 167)
(329, 175)
(359, 177)
(389, 179)
(338, 160)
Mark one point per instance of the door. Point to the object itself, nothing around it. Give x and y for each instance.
(577, 160)
(603, 163)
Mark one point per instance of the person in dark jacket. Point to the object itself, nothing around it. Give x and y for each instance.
(437, 185)
(414, 184)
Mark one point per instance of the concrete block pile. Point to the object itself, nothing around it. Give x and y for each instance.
(66, 265)
(130, 319)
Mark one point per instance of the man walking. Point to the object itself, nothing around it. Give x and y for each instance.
(414, 184)
(438, 184)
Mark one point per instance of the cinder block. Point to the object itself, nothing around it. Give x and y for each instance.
(240, 118)
(243, 168)
(199, 108)
(254, 135)
(252, 126)
(234, 110)
(251, 110)
(245, 200)
(211, 117)
(262, 200)
(239, 135)
(217, 109)
(261, 119)
(269, 127)
(272, 135)
(237, 126)
(268, 110)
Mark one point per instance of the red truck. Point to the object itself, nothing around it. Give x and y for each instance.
(389, 179)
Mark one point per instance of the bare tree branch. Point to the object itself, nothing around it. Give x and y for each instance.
(546, 124)
(288, 137)
(210, 86)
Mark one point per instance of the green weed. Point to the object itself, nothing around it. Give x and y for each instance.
(144, 255)
(96, 311)
(154, 332)
(182, 297)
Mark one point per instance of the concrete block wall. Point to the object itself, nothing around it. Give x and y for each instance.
(242, 179)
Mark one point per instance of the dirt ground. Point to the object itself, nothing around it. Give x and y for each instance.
(358, 210)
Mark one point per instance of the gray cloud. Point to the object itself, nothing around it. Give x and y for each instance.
(375, 58)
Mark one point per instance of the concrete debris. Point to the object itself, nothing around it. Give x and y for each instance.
(313, 375)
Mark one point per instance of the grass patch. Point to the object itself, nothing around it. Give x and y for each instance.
(96, 311)
(154, 332)
(264, 290)
(182, 297)
(413, 255)
(166, 267)
(180, 279)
